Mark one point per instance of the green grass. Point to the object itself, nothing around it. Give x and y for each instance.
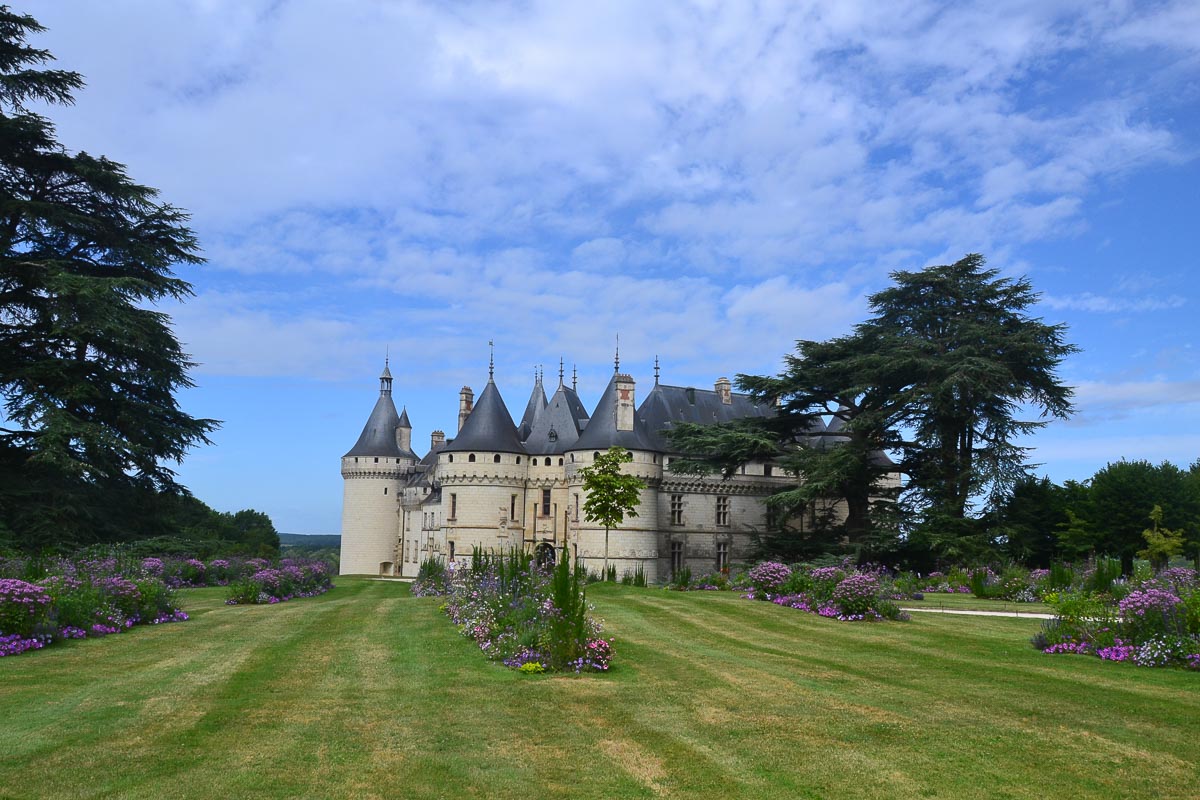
(969, 602)
(368, 692)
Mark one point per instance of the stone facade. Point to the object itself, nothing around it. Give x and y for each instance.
(498, 484)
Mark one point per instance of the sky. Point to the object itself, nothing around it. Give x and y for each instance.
(709, 181)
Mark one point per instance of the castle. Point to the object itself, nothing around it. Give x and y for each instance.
(500, 484)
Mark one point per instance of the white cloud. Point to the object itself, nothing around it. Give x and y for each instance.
(1087, 301)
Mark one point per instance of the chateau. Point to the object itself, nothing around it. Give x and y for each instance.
(499, 484)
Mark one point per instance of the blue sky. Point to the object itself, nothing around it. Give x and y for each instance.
(712, 181)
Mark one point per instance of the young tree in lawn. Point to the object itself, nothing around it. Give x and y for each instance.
(88, 368)
(612, 495)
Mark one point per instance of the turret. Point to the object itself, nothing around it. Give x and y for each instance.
(373, 473)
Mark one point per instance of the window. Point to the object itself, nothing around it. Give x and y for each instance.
(722, 556)
(766, 470)
(723, 512)
(560, 462)
(547, 462)
(577, 506)
(453, 507)
(452, 458)
(471, 458)
(545, 502)
(496, 458)
(676, 510)
(676, 557)
(518, 459)
(512, 507)
(376, 459)
(451, 547)
(385, 490)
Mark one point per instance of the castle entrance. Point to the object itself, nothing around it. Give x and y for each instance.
(544, 553)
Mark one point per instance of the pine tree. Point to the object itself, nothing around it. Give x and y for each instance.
(88, 369)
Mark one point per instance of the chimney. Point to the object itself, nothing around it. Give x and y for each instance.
(724, 390)
(437, 439)
(625, 403)
(466, 401)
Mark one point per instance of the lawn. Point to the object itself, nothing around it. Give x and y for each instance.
(368, 692)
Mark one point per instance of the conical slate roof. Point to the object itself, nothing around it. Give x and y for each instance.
(489, 427)
(601, 432)
(378, 437)
(557, 428)
(533, 409)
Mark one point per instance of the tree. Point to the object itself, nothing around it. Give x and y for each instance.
(839, 465)
(1027, 522)
(970, 359)
(612, 495)
(88, 369)
(1122, 496)
(1161, 543)
(938, 375)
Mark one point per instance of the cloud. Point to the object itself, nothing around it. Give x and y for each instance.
(1087, 301)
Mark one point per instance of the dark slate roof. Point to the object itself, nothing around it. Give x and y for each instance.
(601, 431)
(533, 409)
(378, 437)
(668, 404)
(489, 427)
(404, 423)
(565, 416)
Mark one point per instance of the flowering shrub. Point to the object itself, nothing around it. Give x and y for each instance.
(270, 585)
(843, 593)
(75, 599)
(767, 577)
(1151, 621)
(527, 617)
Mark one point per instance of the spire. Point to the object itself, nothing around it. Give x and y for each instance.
(574, 379)
(491, 359)
(560, 371)
(617, 356)
(656, 370)
(385, 380)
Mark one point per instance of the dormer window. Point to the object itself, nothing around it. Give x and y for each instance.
(552, 435)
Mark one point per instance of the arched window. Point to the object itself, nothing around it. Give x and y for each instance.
(452, 458)
(547, 463)
(596, 454)
(518, 459)
(471, 458)
(496, 458)
(560, 462)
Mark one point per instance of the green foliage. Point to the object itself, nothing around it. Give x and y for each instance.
(611, 495)
(88, 369)
(682, 578)
(1161, 543)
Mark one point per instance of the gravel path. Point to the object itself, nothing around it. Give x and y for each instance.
(964, 612)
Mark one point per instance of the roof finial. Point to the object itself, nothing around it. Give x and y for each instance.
(560, 371)
(574, 379)
(491, 359)
(617, 356)
(656, 370)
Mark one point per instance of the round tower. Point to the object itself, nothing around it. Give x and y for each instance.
(374, 472)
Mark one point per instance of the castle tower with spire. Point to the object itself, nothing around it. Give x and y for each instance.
(373, 474)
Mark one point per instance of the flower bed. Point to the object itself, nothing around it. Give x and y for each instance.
(1150, 621)
(528, 618)
(269, 585)
(63, 598)
(838, 592)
